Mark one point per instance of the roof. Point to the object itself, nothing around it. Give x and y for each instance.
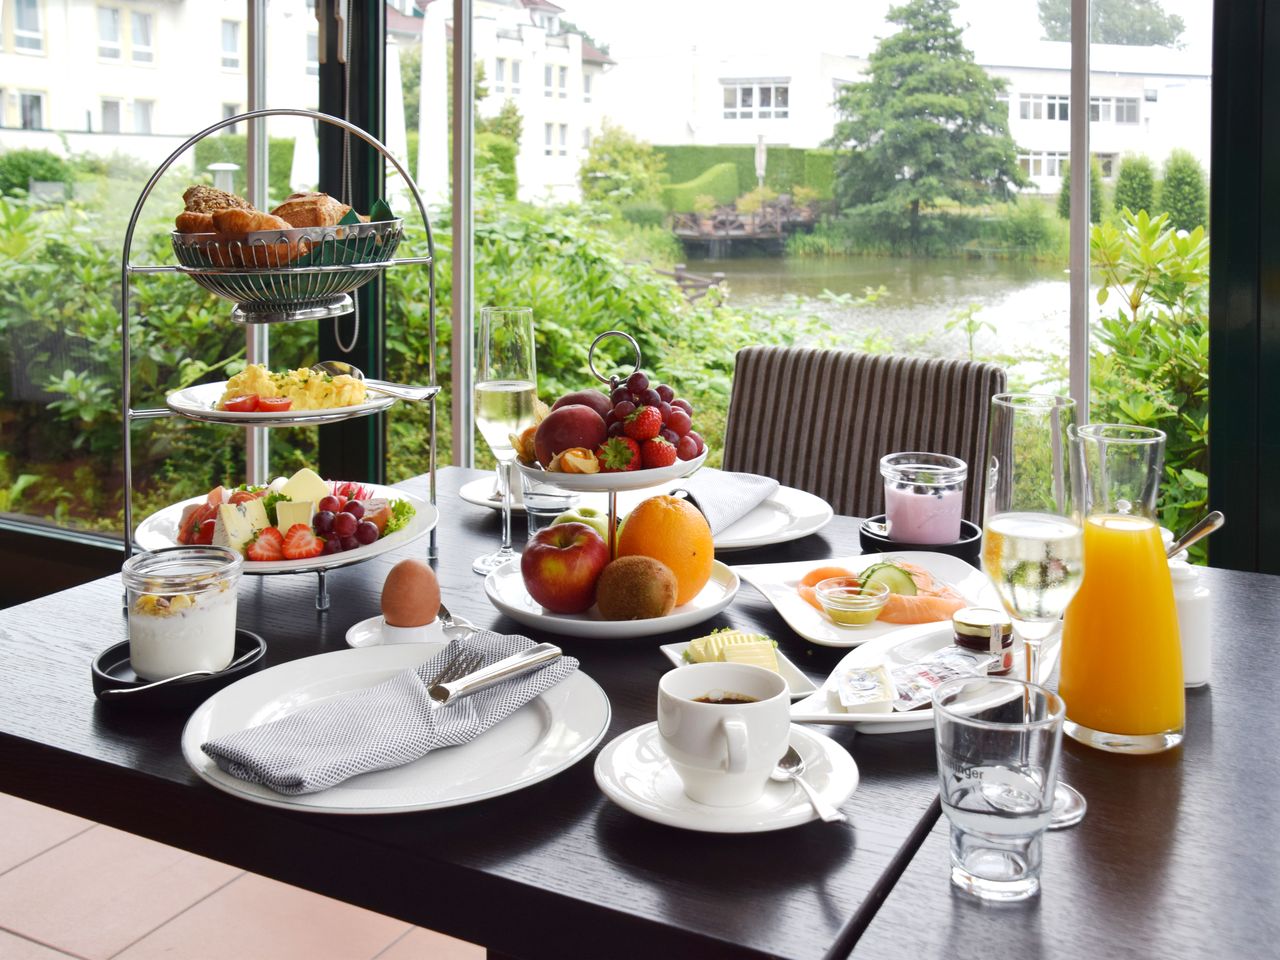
(403, 24)
(542, 5)
(592, 54)
(1103, 58)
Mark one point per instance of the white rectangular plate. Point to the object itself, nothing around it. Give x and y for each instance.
(799, 684)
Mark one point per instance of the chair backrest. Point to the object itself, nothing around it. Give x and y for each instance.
(820, 420)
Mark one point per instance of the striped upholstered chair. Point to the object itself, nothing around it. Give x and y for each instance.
(820, 420)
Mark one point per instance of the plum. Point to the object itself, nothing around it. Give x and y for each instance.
(573, 425)
(594, 399)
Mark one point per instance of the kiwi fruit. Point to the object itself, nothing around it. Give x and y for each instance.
(636, 588)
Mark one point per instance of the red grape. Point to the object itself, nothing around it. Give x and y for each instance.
(679, 421)
(610, 418)
(624, 409)
(637, 382)
(687, 448)
(650, 397)
(666, 410)
(684, 405)
(350, 543)
(344, 524)
(330, 504)
(367, 532)
(622, 393)
(669, 435)
(698, 440)
(666, 393)
(617, 429)
(322, 522)
(355, 508)
(332, 546)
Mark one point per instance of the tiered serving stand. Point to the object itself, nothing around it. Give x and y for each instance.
(280, 277)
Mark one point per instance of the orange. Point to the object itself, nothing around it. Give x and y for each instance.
(676, 533)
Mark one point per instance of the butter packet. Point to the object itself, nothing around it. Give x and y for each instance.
(915, 682)
(862, 690)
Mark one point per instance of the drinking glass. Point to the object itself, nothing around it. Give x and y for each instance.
(998, 742)
(506, 390)
(1121, 671)
(1032, 543)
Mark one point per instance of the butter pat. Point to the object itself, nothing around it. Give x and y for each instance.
(289, 512)
(711, 648)
(758, 653)
(239, 523)
(863, 690)
(305, 485)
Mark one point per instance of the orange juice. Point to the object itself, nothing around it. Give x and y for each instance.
(1121, 654)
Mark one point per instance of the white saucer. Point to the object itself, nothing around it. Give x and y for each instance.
(635, 774)
(375, 633)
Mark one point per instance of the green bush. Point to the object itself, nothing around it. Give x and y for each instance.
(785, 167)
(719, 182)
(1097, 199)
(234, 148)
(644, 213)
(820, 172)
(1135, 185)
(1184, 193)
(499, 153)
(619, 168)
(19, 167)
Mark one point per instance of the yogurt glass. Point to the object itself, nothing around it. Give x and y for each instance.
(182, 609)
(923, 497)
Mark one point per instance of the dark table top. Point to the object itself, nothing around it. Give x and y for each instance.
(1179, 855)
(554, 870)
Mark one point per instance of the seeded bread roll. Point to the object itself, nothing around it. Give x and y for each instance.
(202, 199)
(311, 210)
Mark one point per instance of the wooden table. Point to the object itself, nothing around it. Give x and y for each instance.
(551, 871)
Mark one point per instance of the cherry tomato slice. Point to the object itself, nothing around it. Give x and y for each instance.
(274, 404)
(243, 404)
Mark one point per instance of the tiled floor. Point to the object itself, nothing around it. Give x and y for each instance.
(73, 888)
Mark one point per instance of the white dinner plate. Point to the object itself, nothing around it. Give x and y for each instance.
(788, 514)
(375, 632)
(539, 740)
(911, 644)
(200, 403)
(161, 530)
(634, 773)
(797, 682)
(778, 582)
(604, 482)
(483, 493)
(505, 590)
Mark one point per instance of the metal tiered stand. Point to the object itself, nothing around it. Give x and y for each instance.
(261, 277)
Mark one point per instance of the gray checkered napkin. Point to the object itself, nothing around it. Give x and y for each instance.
(385, 726)
(724, 497)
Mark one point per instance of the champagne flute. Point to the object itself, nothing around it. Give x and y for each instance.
(505, 394)
(1033, 543)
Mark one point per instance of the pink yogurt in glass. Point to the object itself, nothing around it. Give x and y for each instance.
(923, 497)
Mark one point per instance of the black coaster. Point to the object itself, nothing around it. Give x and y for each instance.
(968, 548)
(113, 671)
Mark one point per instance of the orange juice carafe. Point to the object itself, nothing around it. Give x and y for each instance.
(1121, 671)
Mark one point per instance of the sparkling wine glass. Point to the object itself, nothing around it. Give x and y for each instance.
(505, 393)
(1032, 537)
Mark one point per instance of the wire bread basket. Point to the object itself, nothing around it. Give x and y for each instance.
(282, 275)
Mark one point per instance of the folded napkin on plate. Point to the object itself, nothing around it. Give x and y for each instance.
(385, 726)
(725, 498)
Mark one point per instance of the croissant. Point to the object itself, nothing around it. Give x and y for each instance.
(311, 210)
(234, 249)
(189, 222)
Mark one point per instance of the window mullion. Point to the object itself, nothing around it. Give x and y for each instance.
(1080, 223)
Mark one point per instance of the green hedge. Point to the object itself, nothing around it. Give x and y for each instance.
(720, 181)
(234, 148)
(785, 167)
(820, 172)
(498, 151)
(19, 167)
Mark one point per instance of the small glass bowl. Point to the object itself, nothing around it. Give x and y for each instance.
(852, 601)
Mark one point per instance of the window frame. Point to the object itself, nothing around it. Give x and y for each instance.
(743, 99)
(118, 103)
(148, 49)
(232, 60)
(35, 38)
(105, 46)
(40, 97)
(150, 109)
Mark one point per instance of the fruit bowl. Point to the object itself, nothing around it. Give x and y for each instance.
(615, 482)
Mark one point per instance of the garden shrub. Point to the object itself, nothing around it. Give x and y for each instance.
(1135, 185)
(234, 148)
(719, 182)
(19, 167)
(499, 152)
(820, 172)
(619, 168)
(1184, 192)
(1097, 199)
(644, 213)
(785, 167)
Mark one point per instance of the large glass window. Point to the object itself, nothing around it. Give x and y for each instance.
(141, 51)
(31, 106)
(761, 101)
(109, 33)
(142, 111)
(230, 45)
(111, 116)
(27, 33)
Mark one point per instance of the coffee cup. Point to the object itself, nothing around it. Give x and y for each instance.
(724, 727)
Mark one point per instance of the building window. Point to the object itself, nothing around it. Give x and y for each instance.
(564, 82)
(744, 100)
(1119, 109)
(110, 116)
(141, 50)
(32, 110)
(142, 110)
(108, 33)
(500, 75)
(1042, 106)
(586, 138)
(515, 76)
(230, 44)
(230, 110)
(586, 88)
(547, 131)
(564, 139)
(27, 34)
(1107, 164)
(1100, 109)
(1039, 164)
(313, 55)
(1126, 110)
(546, 80)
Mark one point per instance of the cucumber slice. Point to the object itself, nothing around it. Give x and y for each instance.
(892, 576)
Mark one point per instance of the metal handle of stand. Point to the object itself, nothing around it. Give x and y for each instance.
(591, 355)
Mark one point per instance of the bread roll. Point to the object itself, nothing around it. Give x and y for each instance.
(201, 199)
(311, 210)
(234, 249)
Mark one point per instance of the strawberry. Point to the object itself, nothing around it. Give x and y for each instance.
(618, 455)
(657, 453)
(267, 545)
(644, 424)
(301, 544)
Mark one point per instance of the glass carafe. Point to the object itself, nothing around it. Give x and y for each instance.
(1121, 655)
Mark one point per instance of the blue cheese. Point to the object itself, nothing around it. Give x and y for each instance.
(237, 524)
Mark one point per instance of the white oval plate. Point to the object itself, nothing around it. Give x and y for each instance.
(912, 644)
(788, 514)
(200, 403)
(604, 482)
(161, 529)
(374, 632)
(778, 582)
(634, 773)
(539, 740)
(797, 682)
(505, 590)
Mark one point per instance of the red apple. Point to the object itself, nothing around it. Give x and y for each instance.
(561, 565)
(574, 425)
(594, 399)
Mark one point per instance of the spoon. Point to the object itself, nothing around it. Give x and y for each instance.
(403, 391)
(1207, 524)
(121, 691)
(790, 767)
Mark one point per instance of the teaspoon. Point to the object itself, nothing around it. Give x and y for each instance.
(1209, 523)
(790, 767)
(403, 391)
(121, 691)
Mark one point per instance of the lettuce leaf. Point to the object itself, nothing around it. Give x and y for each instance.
(401, 513)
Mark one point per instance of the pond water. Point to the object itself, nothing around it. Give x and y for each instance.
(1027, 304)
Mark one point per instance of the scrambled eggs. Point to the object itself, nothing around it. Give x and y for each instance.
(307, 389)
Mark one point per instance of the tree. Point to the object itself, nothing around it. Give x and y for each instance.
(1134, 23)
(507, 123)
(1096, 200)
(619, 168)
(411, 84)
(1135, 185)
(1184, 194)
(927, 124)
